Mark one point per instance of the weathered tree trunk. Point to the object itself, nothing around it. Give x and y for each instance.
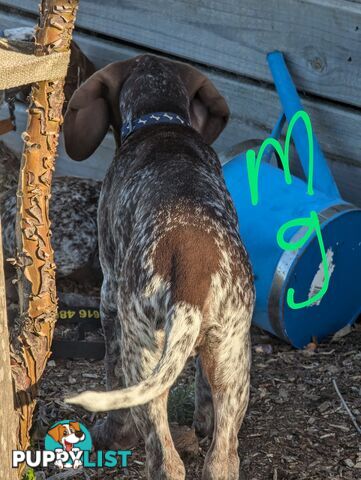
(31, 342)
(8, 439)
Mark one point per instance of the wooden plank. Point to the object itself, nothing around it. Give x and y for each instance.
(254, 112)
(321, 39)
(348, 178)
(254, 107)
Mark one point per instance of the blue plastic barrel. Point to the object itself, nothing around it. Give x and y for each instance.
(277, 270)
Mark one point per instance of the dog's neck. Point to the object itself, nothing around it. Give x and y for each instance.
(153, 86)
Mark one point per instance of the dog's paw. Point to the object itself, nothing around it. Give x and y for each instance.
(203, 424)
(108, 434)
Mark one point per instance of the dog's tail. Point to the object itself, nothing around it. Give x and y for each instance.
(182, 329)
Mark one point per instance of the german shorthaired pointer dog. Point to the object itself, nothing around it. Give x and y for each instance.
(177, 279)
(73, 210)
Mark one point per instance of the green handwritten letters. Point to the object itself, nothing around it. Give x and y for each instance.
(311, 223)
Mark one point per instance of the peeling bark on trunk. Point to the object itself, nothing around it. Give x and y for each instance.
(7, 413)
(31, 342)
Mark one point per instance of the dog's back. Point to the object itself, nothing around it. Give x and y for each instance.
(165, 208)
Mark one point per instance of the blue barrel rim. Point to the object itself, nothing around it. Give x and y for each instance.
(285, 264)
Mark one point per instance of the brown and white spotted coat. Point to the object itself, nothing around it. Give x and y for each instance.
(177, 279)
(73, 210)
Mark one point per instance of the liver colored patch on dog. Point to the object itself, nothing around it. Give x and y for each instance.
(187, 257)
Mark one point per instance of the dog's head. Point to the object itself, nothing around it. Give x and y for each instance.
(67, 434)
(143, 84)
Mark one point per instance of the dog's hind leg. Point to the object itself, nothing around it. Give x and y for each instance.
(203, 413)
(227, 366)
(163, 460)
(140, 358)
(117, 430)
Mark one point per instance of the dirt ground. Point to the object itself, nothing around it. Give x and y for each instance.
(296, 427)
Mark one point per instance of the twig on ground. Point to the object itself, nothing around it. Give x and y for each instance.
(350, 414)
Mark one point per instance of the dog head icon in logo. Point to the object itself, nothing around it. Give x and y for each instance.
(68, 439)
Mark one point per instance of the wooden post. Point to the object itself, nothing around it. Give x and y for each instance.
(31, 346)
(8, 440)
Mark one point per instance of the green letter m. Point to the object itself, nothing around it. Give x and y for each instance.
(254, 163)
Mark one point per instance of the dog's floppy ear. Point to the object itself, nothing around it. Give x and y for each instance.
(75, 425)
(57, 432)
(208, 108)
(93, 108)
